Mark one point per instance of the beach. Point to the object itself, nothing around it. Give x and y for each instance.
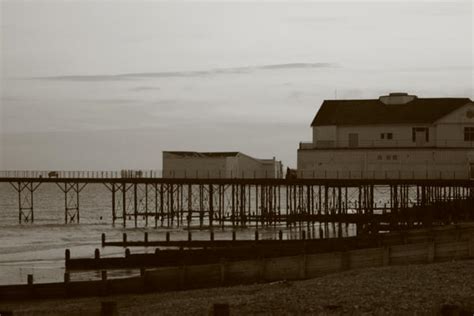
(423, 289)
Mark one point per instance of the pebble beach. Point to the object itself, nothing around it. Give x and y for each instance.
(426, 289)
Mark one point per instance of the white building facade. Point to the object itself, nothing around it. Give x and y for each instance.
(398, 136)
(191, 164)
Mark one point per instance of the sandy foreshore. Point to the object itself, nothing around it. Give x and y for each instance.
(400, 290)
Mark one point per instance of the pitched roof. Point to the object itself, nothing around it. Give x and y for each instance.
(203, 154)
(369, 112)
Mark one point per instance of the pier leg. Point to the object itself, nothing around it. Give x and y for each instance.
(71, 192)
(25, 192)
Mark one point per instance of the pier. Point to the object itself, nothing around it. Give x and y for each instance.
(153, 201)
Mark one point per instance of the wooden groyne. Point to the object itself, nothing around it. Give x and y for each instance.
(197, 252)
(254, 270)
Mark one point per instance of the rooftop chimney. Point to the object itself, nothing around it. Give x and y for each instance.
(397, 98)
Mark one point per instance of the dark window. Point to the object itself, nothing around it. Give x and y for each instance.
(424, 130)
(382, 136)
(468, 134)
(389, 136)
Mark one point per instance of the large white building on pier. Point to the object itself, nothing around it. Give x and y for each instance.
(394, 136)
(191, 164)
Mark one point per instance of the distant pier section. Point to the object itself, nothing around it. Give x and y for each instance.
(147, 199)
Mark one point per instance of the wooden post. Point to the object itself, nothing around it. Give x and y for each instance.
(30, 279)
(96, 254)
(256, 235)
(103, 239)
(124, 239)
(68, 254)
(146, 237)
(167, 236)
(190, 236)
(127, 253)
(31, 289)
(67, 277)
(280, 235)
(212, 236)
(234, 235)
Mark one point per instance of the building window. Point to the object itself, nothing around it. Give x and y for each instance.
(382, 136)
(389, 136)
(394, 157)
(389, 157)
(420, 134)
(386, 136)
(468, 134)
(379, 157)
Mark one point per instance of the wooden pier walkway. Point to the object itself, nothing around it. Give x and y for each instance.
(219, 203)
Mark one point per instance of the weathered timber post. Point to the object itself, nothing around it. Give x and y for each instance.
(30, 279)
(67, 277)
(167, 236)
(212, 236)
(124, 239)
(103, 239)
(96, 254)
(68, 255)
(30, 285)
(127, 253)
(146, 237)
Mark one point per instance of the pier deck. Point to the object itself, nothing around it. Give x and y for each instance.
(219, 203)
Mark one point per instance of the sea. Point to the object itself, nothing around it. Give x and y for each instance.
(39, 248)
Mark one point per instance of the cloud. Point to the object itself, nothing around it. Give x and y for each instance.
(144, 88)
(187, 74)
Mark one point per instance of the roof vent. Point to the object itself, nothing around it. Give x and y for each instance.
(397, 98)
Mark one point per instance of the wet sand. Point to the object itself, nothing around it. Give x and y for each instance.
(399, 290)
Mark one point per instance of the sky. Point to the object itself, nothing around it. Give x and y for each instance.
(109, 85)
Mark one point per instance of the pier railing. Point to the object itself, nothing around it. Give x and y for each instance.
(418, 173)
(90, 174)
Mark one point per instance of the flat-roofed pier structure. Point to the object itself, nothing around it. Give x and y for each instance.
(149, 200)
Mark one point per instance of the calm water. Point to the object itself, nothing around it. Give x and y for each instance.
(39, 248)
